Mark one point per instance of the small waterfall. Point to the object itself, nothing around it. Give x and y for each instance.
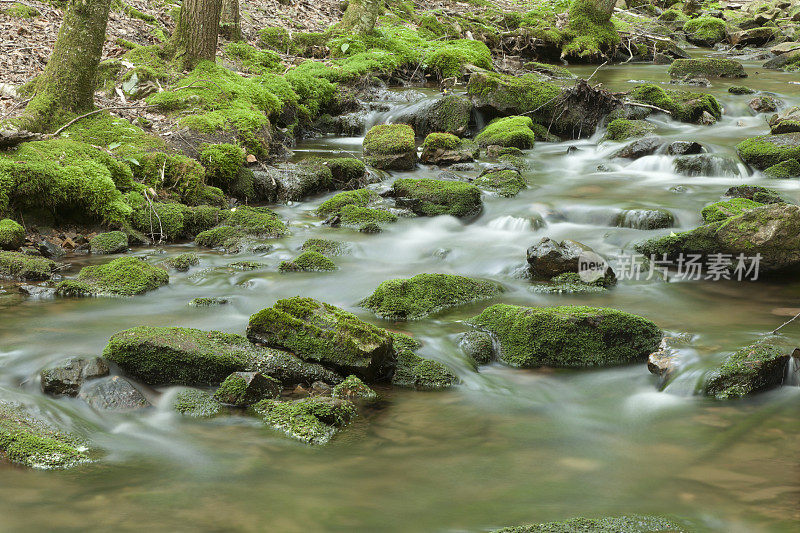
(793, 370)
(511, 224)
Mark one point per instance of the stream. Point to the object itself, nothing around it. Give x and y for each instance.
(505, 447)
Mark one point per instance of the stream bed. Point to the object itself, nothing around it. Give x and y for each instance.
(505, 447)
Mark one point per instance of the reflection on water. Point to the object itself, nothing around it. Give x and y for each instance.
(505, 447)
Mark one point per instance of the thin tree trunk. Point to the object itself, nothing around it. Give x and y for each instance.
(195, 37)
(361, 15)
(68, 82)
(230, 24)
(606, 7)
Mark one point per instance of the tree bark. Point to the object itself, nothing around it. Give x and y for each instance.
(230, 24)
(69, 79)
(361, 15)
(195, 37)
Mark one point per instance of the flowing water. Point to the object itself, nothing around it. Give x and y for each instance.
(505, 447)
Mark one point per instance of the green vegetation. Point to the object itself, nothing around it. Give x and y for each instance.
(16, 265)
(707, 67)
(113, 242)
(593, 34)
(391, 146)
(439, 197)
(182, 262)
(769, 150)
(619, 524)
(685, 106)
(309, 261)
(312, 420)
(507, 183)
(752, 369)
(621, 129)
(325, 247)
(243, 389)
(12, 234)
(720, 211)
(416, 372)
(785, 169)
(354, 390)
(195, 403)
(705, 31)
(125, 276)
(514, 132)
(224, 164)
(358, 198)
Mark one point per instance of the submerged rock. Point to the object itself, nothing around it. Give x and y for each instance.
(684, 148)
(427, 197)
(755, 368)
(705, 165)
(113, 242)
(66, 377)
(313, 420)
(30, 441)
(326, 247)
(125, 276)
(619, 524)
(645, 219)
(319, 332)
(391, 147)
(549, 258)
(23, 267)
(208, 302)
(764, 104)
(246, 388)
(113, 393)
(423, 294)
(568, 337)
(196, 403)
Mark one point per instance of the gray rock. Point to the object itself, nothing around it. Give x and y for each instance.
(66, 377)
(645, 219)
(291, 370)
(114, 393)
(638, 148)
(478, 346)
(549, 258)
(755, 368)
(450, 114)
(37, 291)
(705, 165)
(246, 388)
(50, 250)
(684, 148)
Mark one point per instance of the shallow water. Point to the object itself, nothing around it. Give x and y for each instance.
(505, 447)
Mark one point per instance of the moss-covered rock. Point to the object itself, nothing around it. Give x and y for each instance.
(205, 301)
(12, 234)
(785, 169)
(619, 524)
(593, 34)
(621, 129)
(768, 150)
(416, 372)
(196, 403)
(478, 346)
(355, 216)
(179, 356)
(241, 389)
(112, 242)
(427, 197)
(358, 197)
(292, 182)
(182, 262)
(354, 390)
(423, 294)
(32, 442)
(685, 106)
(507, 183)
(326, 247)
(319, 332)
(785, 122)
(446, 149)
(707, 67)
(719, 211)
(224, 164)
(309, 261)
(219, 237)
(19, 266)
(705, 31)
(450, 114)
(514, 132)
(755, 368)
(500, 94)
(348, 172)
(391, 147)
(125, 276)
(568, 337)
(756, 193)
(312, 420)
(740, 89)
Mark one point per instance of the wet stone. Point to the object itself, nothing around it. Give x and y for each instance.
(114, 393)
(66, 377)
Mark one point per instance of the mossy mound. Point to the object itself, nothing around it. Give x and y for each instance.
(740, 89)
(705, 31)
(182, 262)
(19, 266)
(347, 172)
(755, 368)
(513, 95)
(112, 242)
(507, 183)
(358, 197)
(423, 294)
(785, 169)
(619, 524)
(196, 403)
(685, 106)
(416, 372)
(224, 164)
(516, 132)
(179, 356)
(219, 237)
(724, 210)
(707, 67)
(32, 442)
(621, 129)
(391, 147)
(326, 247)
(593, 35)
(311, 420)
(241, 223)
(319, 332)
(756, 193)
(241, 389)
(568, 337)
(309, 261)
(768, 150)
(125, 276)
(354, 390)
(12, 234)
(427, 197)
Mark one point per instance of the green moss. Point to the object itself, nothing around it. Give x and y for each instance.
(769, 150)
(252, 60)
(514, 95)
(417, 297)
(312, 420)
(707, 67)
(125, 276)
(323, 333)
(752, 369)
(390, 146)
(427, 197)
(182, 262)
(740, 89)
(785, 169)
(514, 132)
(275, 38)
(179, 356)
(416, 372)
(224, 164)
(121, 138)
(507, 183)
(182, 176)
(619, 524)
(112, 242)
(309, 261)
(672, 15)
(16, 265)
(236, 390)
(449, 59)
(32, 442)
(347, 171)
(354, 390)
(12, 235)
(706, 31)
(568, 337)
(195, 403)
(593, 34)
(621, 129)
(169, 218)
(258, 221)
(325, 247)
(358, 197)
(221, 236)
(685, 106)
(441, 141)
(208, 302)
(21, 11)
(720, 211)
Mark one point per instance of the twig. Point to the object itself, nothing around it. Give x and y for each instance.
(648, 106)
(76, 119)
(595, 71)
(154, 212)
(795, 317)
(15, 107)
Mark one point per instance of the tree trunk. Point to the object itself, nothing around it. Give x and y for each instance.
(361, 15)
(606, 7)
(68, 82)
(230, 24)
(195, 37)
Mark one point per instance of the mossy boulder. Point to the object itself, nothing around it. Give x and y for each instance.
(767, 150)
(391, 147)
(125, 276)
(549, 258)
(773, 231)
(358, 198)
(293, 182)
(505, 182)
(182, 262)
(568, 337)
(312, 420)
(196, 403)
(445, 149)
(309, 261)
(326, 247)
(12, 234)
(755, 368)
(23, 267)
(756, 193)
(427, 197)
(354, 390)
(241, 389)
(740, 90)
(179, 356)
(705, 31)
(516, 132)
(30, 441)
(416, 372)
(478, 346)
(219, 237)
(621, 129)
(423, 294)
(686, 106)
(512, 95)
(348, 172)
(359, 217)
(707, 68)
(450, 114)
(112, 242)
(719, 211)
(225, 169)
(618, 524)
(322, 333)
(785, 169)
(290, 370)
(754, 36)
(786, 122)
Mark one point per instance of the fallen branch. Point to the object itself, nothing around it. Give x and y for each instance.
(76, 119)
(648, 106)
(595, 70)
